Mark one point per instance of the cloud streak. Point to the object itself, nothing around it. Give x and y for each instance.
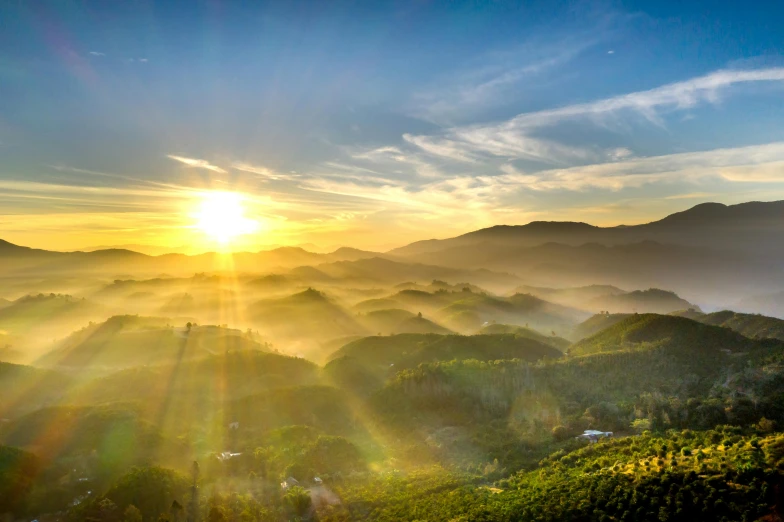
(517, 137)
(198, 163)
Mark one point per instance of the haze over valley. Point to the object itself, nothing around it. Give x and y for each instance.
(391, 261)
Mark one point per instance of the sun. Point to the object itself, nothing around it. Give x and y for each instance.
(222, 216)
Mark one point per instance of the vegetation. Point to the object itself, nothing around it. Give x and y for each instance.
(147, 418)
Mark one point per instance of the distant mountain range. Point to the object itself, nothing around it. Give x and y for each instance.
(711, 252)
(716, 226)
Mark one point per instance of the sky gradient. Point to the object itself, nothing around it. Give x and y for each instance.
(346, 123)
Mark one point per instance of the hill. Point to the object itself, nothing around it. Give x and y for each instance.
(125, 341)
(199, 383)
(24, 388)
(594, 324)
(402, 351)
(47, 314)
(106, 441)
(751, 325)
(466, 312)
(527, 333)
(677, 332)
(575, 297)
(306, 315)
(322, 407)
(652, 300)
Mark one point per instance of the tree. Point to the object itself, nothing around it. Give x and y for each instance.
(298, 499)
(560, 433)
(132, 514)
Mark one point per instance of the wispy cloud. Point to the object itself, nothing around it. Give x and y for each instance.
(754, 164)
(262, 171)
(517, 137)
(502, 75)
(96, 53)
(197, 163)
(396, 159)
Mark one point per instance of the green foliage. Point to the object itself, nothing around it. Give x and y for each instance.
(18, 470)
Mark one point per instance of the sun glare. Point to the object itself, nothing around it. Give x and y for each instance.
(222, 217)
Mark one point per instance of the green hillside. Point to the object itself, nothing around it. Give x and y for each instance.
(682, 477)
(680, 332)
(594, 324)
(750, 325)
(528, 333)
(409, 350)
(24, 388)
(309, 315)
(125, 341)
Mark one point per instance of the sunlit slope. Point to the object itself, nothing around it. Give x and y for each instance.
(48, 315)
(647, 354)
(594, 324)
(115, 435)
(201, 382)
(652, 300)
(685, 334)
(409, 350)
(18, 472)
(24, 388)
(322, 407)
(125, 341)
(679, 477)
(306, 315)
(395, 321)
(378, 270)
(527, 333)
(750, 325)
(571, 296)
(466, 312)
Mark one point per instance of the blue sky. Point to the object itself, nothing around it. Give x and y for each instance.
(375, 124)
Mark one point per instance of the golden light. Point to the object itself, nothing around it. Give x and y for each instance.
(222, 216)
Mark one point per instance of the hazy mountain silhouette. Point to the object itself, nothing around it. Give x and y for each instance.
(714, 225)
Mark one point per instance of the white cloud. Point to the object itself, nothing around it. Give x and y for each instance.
(610, 52)
(264, 172)
(754, 164)
(197, 163)
(446, 148)
(516, 138)
(396, 157)
(96, 53)
(619, 153)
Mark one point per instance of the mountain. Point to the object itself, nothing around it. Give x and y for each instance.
(753, 225)
(22, 260)
(709, 251)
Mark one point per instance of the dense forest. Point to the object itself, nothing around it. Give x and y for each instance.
(625, 416)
